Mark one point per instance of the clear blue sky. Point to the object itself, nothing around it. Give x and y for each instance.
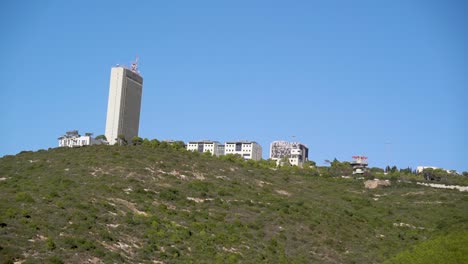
(385, 79)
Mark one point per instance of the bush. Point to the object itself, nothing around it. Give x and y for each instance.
(50, 244)
(24, 197)
(443, 249)
(170, 194)
(55, 260)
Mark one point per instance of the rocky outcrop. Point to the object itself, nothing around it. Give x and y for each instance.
(372, 184)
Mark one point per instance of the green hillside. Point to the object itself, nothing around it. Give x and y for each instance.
(137, 204)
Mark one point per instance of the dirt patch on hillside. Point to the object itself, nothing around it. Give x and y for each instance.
(282, 192)
(262, 183)
(372, 184)
(129, 205)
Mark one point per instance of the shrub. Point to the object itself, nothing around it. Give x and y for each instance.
(24, 197)
(170, 194)
(55, 260)
(50, 244)
(448, 249)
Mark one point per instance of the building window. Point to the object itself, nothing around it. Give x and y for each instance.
(238, 146)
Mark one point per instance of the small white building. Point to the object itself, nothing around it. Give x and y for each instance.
(214, 147)
(247, 149)
(420, 169)
(296, 153)
(74, 139)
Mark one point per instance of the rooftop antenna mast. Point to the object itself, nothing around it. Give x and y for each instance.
(293, 137)
(135, 65)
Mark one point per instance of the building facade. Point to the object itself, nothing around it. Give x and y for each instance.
(124, 104)
(296, 153)
(74, 139)
(247, 149)
(359, 164)
(214, 147)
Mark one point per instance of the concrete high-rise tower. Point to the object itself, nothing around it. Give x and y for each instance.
(123, 108)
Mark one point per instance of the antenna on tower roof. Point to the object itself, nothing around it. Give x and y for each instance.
(135, 65)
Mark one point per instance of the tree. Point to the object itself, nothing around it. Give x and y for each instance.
(178, 145)
(310, 164)
(335, 163)
(207, 153)
(163, 144)
(101, 137)
(284, 161)
(387, 169)
(269, 163)
(430, 175)
(154, 143)
(407, 170)
(338, 168)
(146, 142)
(136, 141)
(232, 158)
(436, 174)
(376, 170)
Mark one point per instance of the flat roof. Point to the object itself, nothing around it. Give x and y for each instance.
(204, 142)
(289, 143)
(241, 141)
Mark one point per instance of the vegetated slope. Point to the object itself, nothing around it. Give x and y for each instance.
(141, 204)
(451, 248)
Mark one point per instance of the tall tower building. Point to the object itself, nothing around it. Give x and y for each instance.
(123, 108)
(296, 153)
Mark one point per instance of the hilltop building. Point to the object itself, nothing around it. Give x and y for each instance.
(420, 169)
(296, 153)
(247, 149)
(123, 108)
(214, 147)
(74, 139)
(359, 164)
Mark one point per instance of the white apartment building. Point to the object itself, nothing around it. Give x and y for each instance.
(123, 108)
(247, 149)
(296, 153)
(214, 147)
(74, 139)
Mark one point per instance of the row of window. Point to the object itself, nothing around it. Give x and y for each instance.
(243, 145)
(244, 150)
(72, 142)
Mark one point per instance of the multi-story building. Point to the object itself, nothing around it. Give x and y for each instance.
(214, 147)
(247, 149)
(74, 139)
(123, 109)
(296, 153)
(359, 164)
